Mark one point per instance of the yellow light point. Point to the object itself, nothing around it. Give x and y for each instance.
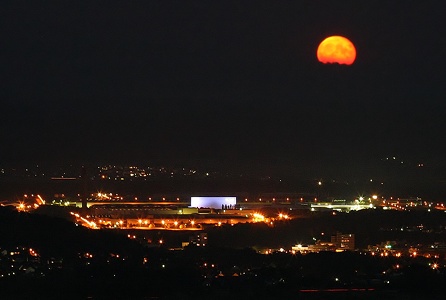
(41, 200)
(257, 217)
(192, 222)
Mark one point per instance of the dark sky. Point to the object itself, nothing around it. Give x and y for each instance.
(225, 83)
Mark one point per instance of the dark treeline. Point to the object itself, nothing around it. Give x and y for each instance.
(369, 226)
(56, 236)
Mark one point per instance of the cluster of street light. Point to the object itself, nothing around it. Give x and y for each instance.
(29, 203)
(86, 223)
(258, 217)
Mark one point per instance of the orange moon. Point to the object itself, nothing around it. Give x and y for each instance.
(336, 49)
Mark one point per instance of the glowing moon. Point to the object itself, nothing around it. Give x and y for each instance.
(336, 49)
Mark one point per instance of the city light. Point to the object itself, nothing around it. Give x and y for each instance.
(257, 217)
(283, 216)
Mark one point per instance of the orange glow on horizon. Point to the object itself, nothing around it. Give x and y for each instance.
(336, 49)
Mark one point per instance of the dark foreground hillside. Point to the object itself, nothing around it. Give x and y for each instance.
(51, 258)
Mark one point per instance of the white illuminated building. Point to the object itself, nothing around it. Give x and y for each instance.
(213, 202)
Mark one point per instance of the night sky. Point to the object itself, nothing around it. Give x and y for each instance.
(227, 84)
